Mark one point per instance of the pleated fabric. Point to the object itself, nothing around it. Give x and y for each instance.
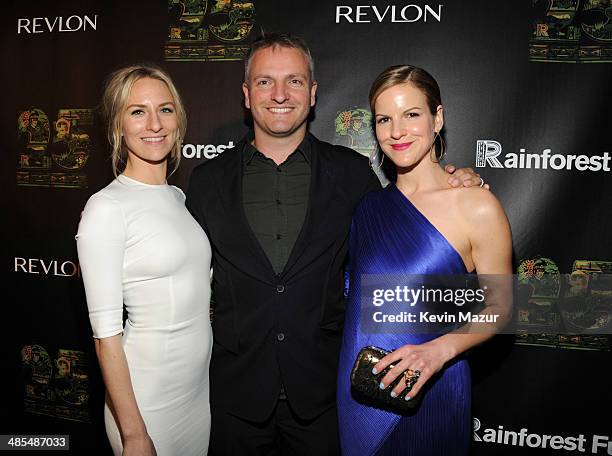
(389, 236)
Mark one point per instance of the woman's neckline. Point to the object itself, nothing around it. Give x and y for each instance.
(137, 182)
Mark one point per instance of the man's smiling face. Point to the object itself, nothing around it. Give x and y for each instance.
(279, 91)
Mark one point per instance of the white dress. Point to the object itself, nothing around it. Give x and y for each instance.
(139, 245)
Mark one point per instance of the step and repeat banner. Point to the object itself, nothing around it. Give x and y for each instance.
(526, 87)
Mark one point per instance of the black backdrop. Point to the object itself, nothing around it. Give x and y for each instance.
(527, 75)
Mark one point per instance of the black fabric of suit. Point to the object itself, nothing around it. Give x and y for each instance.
(270, 329)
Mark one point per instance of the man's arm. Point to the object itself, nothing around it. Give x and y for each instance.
(373, 182)
(193, 200)
(458, 177)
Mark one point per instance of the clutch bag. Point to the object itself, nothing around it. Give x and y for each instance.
(365, 385)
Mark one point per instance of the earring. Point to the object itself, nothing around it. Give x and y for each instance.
(372, 159)
(439, 158)
(381, 160)
(442, 148)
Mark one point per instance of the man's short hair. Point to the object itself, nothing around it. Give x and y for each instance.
(274, 39)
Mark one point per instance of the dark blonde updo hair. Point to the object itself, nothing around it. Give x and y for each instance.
(114, 101)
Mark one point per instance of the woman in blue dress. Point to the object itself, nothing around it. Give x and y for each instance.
(417, 225)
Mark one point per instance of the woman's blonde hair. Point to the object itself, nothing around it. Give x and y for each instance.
(114, 101)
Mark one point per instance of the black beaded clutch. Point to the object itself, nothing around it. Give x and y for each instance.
(365, 385)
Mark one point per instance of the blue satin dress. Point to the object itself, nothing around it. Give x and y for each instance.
(390, 236)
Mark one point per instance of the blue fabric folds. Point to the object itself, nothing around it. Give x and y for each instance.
(390, 236)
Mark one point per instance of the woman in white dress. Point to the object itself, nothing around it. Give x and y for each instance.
(139, 246)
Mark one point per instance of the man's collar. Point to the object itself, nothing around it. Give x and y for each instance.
(305, 148)
(249, 149)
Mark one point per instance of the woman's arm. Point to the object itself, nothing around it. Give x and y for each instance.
(486, 226)
(122, 401)
(101, 241)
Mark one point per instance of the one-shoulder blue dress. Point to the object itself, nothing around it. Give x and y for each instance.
(390, 236)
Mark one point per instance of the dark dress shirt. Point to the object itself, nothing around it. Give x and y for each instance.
(275, 199)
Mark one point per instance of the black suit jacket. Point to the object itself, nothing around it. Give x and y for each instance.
(272, 328)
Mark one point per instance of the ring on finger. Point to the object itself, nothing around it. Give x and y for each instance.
(481, 182)
(410, 377)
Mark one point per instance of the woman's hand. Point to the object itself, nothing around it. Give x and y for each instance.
(139, 446)
(428, 358)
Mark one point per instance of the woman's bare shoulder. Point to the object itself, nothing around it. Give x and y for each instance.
(478, 205)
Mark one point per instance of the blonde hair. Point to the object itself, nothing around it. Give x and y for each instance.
(114, 101)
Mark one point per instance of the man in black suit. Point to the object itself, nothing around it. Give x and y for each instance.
(277, 210)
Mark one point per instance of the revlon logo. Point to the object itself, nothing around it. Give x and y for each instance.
(72, 23)
(390, 13)
(47, 267)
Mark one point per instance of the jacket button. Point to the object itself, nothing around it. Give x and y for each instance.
(280, 337)
(280, 288)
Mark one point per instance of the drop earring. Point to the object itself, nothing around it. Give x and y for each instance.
(440, 157)
(373, 157)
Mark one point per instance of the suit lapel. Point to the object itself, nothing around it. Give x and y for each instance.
(242, 237)
(321, 186)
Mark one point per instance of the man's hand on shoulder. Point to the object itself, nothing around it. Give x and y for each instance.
(464, 177)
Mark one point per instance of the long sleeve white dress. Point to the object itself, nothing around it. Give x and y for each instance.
(139, 246)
